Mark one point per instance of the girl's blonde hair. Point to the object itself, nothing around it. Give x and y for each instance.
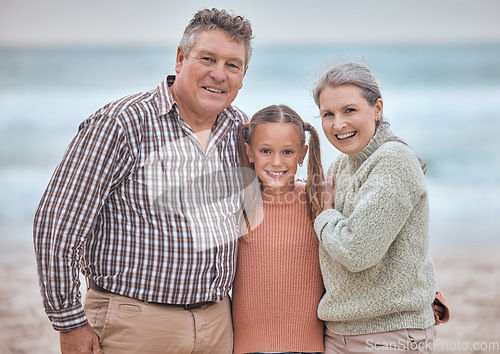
(284, 114)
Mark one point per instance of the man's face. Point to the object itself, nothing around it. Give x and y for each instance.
(209, 77)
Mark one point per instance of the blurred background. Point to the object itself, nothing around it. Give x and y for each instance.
(438, 63)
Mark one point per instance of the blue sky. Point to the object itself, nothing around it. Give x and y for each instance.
(161, 22)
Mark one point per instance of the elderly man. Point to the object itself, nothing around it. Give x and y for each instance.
(144, 204)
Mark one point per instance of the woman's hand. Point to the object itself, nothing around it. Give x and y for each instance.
(328, 192)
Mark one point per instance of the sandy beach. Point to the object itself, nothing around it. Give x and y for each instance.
(469, 278)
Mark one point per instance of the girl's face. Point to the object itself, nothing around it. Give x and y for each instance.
(347, 118)
(275, 150)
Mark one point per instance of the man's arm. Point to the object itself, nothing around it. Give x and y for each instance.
(67, 213)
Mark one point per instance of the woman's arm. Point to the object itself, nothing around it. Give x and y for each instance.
(390, 189)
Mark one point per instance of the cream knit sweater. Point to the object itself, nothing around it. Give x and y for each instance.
(374, 250)
(278, 281)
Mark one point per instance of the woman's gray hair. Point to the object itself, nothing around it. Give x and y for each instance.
(349, 74)
(355, 74)
(236, 27)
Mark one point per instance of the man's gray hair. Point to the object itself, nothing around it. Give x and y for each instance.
(236, 27)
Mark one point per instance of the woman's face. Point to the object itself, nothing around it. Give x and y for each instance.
(348, 120)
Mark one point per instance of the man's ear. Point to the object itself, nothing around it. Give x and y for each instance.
(179, 59)
(244, 73)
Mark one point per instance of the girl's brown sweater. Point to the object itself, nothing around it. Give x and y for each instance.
(278, 281)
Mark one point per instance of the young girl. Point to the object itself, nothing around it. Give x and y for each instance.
(373, 232)
(278, 280)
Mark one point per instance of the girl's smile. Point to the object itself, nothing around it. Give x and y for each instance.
(276, 174)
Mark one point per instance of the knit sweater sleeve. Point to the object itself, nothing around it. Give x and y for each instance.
(380, 198)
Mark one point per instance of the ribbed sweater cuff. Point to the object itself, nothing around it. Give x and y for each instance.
(326, 220)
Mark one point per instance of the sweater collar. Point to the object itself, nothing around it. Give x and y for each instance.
(381, 135)
(287, 198)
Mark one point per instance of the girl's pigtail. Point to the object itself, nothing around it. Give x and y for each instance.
(314, 173)
(242, 138)
(248, 176)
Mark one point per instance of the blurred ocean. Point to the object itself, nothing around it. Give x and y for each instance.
(444, 101)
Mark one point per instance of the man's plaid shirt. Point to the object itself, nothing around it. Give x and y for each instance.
(141, 208)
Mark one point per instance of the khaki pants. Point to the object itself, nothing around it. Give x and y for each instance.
(126, 325)
(397, 342)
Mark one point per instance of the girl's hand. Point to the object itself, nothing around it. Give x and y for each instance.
(328, 192)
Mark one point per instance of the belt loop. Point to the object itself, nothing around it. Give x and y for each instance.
(87, 282)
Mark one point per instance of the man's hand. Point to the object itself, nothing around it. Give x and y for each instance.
(82, 341)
